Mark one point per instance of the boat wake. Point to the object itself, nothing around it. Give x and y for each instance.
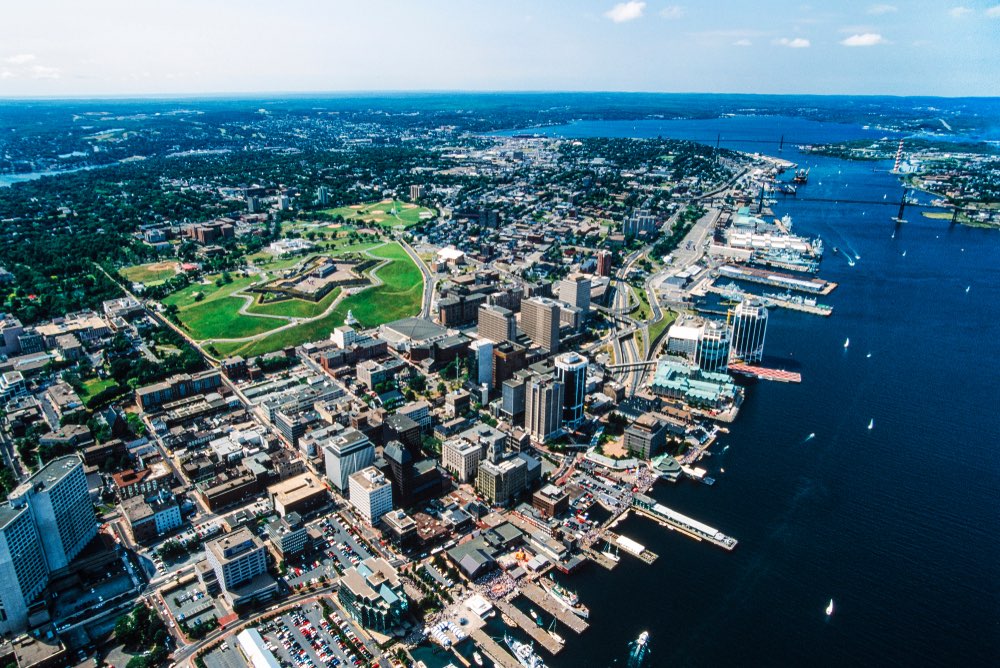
(810, 437)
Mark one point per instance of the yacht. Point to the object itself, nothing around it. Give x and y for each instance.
(524, 653)
(478, 658)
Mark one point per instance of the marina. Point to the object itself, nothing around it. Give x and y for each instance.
(630, 546)
(500, 656)
(526, 624)
(536, 595)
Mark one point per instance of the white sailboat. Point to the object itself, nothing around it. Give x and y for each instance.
(871, 424)
(967, 289)
(847, 342)
(478, 658)
(829, 608)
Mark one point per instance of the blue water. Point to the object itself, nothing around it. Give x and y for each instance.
(898, 524)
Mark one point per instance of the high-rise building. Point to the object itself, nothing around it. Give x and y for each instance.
(497, 324)
(543, 406)
(713, 346)
(482, 357)
(571, 370)
(508, 359)
(646, 436)
(575, 291)
(540, 321)
(59, 501)
(640, 221)
(461, 457)
(323, 195)
(371, 494)
(347, 453)
(416, 192)
(603, 263)
(749, 329)
(238, 560)
(254, 205)
(23, 575)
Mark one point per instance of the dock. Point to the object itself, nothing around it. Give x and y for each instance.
(688, 526)
(494, 651)
(528, 625)
(777, 279)
(537, 595)
(763, 373)
(631, 547)
(792, 304)
(599, 558)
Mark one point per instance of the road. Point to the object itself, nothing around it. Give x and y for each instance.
(430, 283)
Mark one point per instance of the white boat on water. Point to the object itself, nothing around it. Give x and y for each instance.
(847, 342)
(524, 653)
(478, 658)
(871, 424)
(829, 608)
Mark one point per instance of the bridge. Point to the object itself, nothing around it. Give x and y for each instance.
(629, 366)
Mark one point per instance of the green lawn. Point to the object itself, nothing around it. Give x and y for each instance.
(399, 296)
(644, 311)
(379, 213)
(149, 274)
(657, 327)
(296, 308)
(217, 314)
(95, 386)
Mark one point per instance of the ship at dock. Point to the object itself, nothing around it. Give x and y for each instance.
(565, 597)
(524, 653)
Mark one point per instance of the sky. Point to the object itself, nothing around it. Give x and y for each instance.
(57, 48)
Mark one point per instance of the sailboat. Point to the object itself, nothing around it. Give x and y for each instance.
(478, 658)
(904, 253)
(829, 608)
(847, 342)
(967, 289)
(871, 424)
(868, 355)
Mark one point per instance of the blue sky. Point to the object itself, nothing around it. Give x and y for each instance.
(123, 47)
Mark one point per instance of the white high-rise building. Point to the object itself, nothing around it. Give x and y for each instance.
(713, 346)
(371, 494)
(59, 501)
(23, 574)
(345, 454)
(749, 330)
(571, 369)
(482, 351)
(543, 405)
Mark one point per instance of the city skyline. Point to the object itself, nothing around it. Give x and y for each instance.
(188, 48)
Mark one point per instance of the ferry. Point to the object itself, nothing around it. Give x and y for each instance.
(524, 653)
(567, 598)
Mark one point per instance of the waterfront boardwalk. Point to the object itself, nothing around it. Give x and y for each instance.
(528, 625)
(537, 595)
(497, 654)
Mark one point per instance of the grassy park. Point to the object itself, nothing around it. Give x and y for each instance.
(153, 273)
(387, 213)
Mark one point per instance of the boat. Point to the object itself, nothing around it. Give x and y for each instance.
(904, 253)
(639, 650)
(478, 658)
(567, 598)
(558, 638)
(868, 355)
(836, 250)
(509, 621)
(871, 424)
(967, 289)
(829, 608)
(524, 653)
(847, 342)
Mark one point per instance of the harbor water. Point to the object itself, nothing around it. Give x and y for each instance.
(898, 523)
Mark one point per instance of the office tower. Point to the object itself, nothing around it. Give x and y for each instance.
(23, 575)
(371, 494)
(512, 401)
(59, 501)
(347, 453)
(482, 358)
(748, 331)
(540, 321)
(575, 291)
(323, 195)
(571, 370)
(713, 346)
(497, 324)
(603, 263)
(543, 406)
(647, 436)
(238, 560)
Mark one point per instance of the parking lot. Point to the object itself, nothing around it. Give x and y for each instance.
(189, 604)
(339, 551)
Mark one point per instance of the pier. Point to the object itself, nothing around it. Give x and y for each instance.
(537, 595)
(787, 281)
(528, 625)
(635, 549)
(779, 375)
(599, 558)
(682, 523)
(793, 304)
(494, 651)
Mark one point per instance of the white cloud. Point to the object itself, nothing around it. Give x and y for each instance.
(878, 10)
(45, 72)
(672, 12)
(742, 42)
(794, 43)
(20, 59)
(7, 74)
(993, 12)
(864, 39)
(626, 11)
(959, 12)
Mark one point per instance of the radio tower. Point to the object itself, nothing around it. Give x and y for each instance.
(899, 158)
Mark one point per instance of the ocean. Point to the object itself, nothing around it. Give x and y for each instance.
(898, 524)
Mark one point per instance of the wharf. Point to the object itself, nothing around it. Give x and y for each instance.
(537, 595)
(599, 558)
(771, 300)
(682, 523)
(528, 625)
(777, 279)
(779, 375)
(492, 649)
(646, 555)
